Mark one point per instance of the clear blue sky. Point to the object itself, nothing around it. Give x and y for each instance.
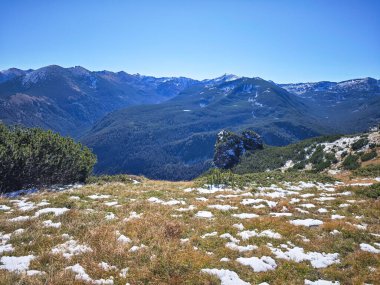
(284, 41)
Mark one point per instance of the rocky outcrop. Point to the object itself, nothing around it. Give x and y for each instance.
(229, 147)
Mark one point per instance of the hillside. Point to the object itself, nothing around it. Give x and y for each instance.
(70, 100)
(348, 105)
(175, 140)
(334, 154)
(275, 228)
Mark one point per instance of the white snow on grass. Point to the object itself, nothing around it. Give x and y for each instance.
(321, 282)
(226, 277)
(55, 211)
(266, 233)
(204, 214)
(306, 222)
(308, 206)
(297, 254)
(76, 198)
(245, 216)
(16, 263)
(322, 210)
(4, 208)
(337, 217)
(209, 235)
(222, 207)
(133, 216)
(230, 237)
(183, 209)
(281, 214)
(105, 266)
(50, 224)
(240, 248)
(111, 204)
(123, 272)
(24, 205)
(136, 248)
(258, 201)
(97, 196)
(110, 216)
(80, 274)
(369, 248)
(261, 264)
(20, 219)
(6, 248)
(167, 203)
(70, 248)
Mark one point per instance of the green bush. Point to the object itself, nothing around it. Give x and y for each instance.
(351, 162)
(372, 191)
(34, 157)
(369, 155)
(359, 144)
(372, 170)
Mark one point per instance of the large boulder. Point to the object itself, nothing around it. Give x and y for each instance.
(229, 147)
(251, 140)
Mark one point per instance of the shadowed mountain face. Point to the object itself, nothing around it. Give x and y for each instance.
(69, 100)
(175, 140)
(166, 127)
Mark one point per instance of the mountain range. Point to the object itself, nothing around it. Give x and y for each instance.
(165, 128)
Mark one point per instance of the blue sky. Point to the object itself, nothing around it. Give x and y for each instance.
(284, 41)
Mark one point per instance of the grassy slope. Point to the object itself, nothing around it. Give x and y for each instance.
(168, 261)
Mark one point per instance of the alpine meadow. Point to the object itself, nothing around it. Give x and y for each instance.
(190, 142)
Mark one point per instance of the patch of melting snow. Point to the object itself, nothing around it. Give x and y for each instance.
(80, 274)
(167, 203)
(203, 199)
(190, 208)
(70, 248)
(123, 273)
(266, 233)
(204, 214)
(297, 254)
(322, 210)
(308, 206)
(281, 214)
(50, 224)
(369, 248)
(240, 248)
(230, 237)
(20, 219)
(226, 277)
(261, 264)
(16, 263)
(209, 235)
(74, 198)
(337, 217)
(132, 216)
(306, 222)
(4, 208)
(222, 207)
(111, 204)
(97, 196)
(110, 216)
(228, 196)
(136, 248)
(6, 248)
(257, 201)
(105, 266)
(55, 211)
(245, 216)
(239, 226)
